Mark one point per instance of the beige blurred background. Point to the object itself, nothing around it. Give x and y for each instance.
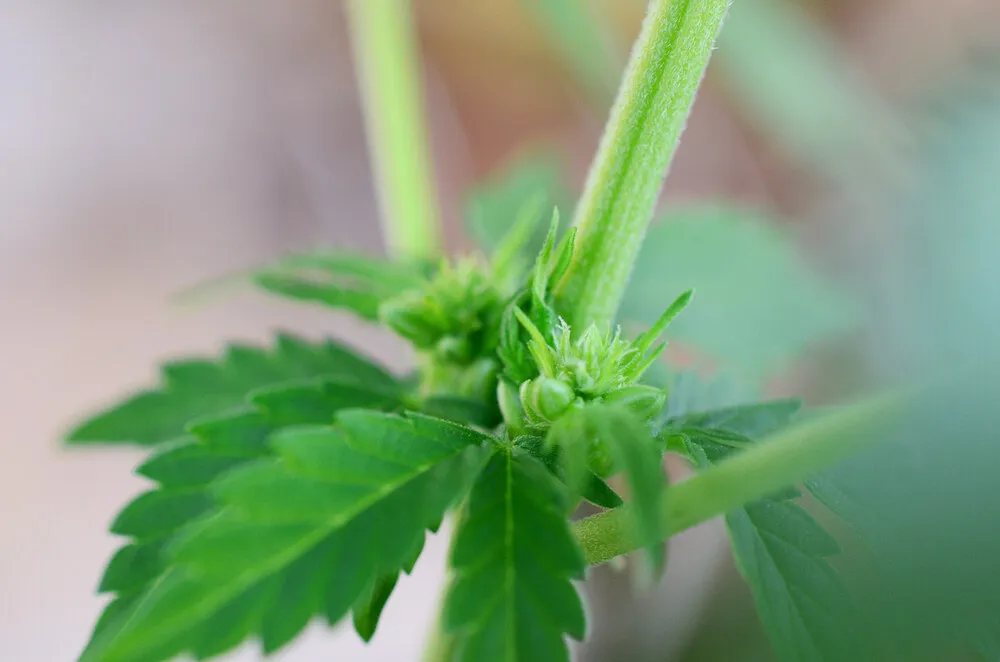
(147, 146)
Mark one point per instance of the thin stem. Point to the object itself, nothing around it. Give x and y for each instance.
(387, 62)
(787, 459)
(641, 136)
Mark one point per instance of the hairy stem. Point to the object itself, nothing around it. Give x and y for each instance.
(639, 141)
(387, 62)
(788, 458)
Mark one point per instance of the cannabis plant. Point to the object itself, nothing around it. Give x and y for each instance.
(299, 480)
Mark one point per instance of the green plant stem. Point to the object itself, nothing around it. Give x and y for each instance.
(387, 62)
(439, 647)
(788, 458)
(639, 141)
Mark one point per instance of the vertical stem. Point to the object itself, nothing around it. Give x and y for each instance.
(664, 71)
(387, 63)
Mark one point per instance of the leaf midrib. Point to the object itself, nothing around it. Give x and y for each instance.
(205, 608)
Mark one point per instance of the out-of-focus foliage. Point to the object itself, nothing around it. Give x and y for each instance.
(759, 305)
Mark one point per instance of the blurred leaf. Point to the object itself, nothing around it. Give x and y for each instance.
(199, 387)
(782, 551)
(492, 208)
(582, 41)
(352, 282)
(789, 74)
(759, 306)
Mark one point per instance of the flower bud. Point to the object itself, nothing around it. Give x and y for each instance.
(644, 401)
(546, 399)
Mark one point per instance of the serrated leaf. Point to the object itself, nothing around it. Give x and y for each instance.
(759, 306)
(368, 610)
(339, 506)
(750, 420)
(216, 445)
(513, 557)
(363, 304)
(352, 282)
(158, 513)
(194, 388)
(781, 550)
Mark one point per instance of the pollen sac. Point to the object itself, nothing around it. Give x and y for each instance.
(546, 399)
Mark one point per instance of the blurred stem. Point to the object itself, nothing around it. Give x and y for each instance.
(387, 62)
(440, 646)
(787, 459)
(639, 141)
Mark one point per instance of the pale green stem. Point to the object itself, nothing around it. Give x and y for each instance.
(639, 141)
(387, 62)
(787, 459)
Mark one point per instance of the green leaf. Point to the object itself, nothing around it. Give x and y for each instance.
(759, 305)
(184, 470)
(307, 532)
(781, 552)
(369, 608)
(583, 43)
(492, 208)
(780, 549)
(750, 420)
(635, 455)
(513, 557)
(363, 304)
(461, 410)
(194, 388)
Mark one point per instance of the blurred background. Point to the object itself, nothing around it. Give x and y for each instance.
(147, 147)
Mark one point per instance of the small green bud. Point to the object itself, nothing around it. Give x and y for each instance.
(546, 399)
(644, 401)
(510, 408)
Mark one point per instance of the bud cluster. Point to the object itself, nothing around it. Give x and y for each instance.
(595, 367)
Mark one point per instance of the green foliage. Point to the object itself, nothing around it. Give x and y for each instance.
(513, 557)
(199, 387)
(759, 305)
(340, 280)
(610, 439)
(780, 550)
(583, 43)
(492, 207)
(320, 528)
(300, 482)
